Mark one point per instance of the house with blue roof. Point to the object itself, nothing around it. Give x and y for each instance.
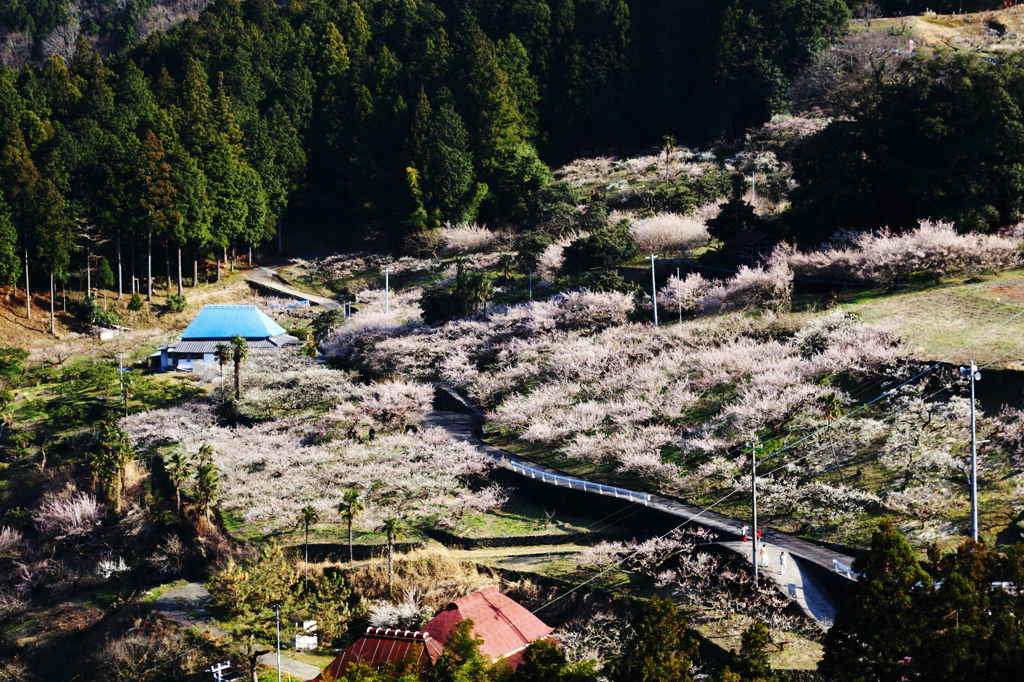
(216, 324)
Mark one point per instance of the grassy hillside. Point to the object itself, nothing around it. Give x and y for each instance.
(936, 321)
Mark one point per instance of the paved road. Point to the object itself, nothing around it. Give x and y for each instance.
(464, 427)
(187, 605)
(266, 277)
(796, 583)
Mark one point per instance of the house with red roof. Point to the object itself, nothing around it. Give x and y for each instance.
(503, 624)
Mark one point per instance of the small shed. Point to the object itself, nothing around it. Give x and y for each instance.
(216, 324)
(753, 246)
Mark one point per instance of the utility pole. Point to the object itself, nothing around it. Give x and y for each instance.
(754, 447)
(277, 610)
(28, 294)
(531, 283)
(387, 292)
(149, 266)
(654, 291)
(974, 375)
(679, 289)
(120, 274)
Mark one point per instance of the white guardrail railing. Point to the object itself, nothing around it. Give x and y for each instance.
(843, 569)
(577, 483)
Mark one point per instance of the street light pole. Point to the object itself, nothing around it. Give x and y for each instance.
(654, 291)
(387, 293)
(974, 375)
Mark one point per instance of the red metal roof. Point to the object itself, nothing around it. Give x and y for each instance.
(379, 646)
(504, 625)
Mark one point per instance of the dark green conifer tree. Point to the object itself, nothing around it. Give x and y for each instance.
(879, 625)
(10, 261)
(449, 167)
(659, 649)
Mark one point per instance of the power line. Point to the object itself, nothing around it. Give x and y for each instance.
(776, 453)
(160, 665)
(734, 492)
(895, 388)
(894, 414)
(630, 555)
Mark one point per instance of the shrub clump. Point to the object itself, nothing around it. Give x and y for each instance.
(751, 288)
(176, 303)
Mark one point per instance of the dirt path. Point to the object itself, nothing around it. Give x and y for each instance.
(187, 605)
(267, 278)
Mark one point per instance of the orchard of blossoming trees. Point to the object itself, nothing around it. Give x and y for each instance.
(675, 406)
(271, 470)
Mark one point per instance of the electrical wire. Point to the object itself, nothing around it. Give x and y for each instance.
(1009, 352)
(780, 451)
(160, 665)
(628, 556)
(895, 388)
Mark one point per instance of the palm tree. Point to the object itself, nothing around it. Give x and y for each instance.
(223, 355)
(349, 508)
(394, 528)
(207, 482)
(239, 353)
(179, 469)
(307, 516)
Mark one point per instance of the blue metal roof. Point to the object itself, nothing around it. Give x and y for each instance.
(226, 321)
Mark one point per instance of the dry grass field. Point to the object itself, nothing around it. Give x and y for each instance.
(936, 321)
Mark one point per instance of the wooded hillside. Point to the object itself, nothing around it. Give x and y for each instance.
(382, 116)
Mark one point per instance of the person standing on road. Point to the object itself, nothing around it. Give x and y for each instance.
(764, 556)
(782, 563)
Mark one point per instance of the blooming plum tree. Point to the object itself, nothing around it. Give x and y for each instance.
(933, 248)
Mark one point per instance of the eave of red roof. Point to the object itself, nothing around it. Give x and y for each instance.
(378, 647)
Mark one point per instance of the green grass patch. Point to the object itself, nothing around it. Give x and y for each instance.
(321, 658)
(157, 592)
(521, 518)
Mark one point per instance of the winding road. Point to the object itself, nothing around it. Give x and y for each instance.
(187, 605)
(797, 583)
